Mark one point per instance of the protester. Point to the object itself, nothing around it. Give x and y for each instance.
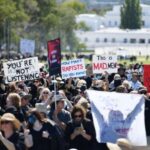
(10, 137)
(80, 133)
(58, 113)
(41, 134)
(13, 105)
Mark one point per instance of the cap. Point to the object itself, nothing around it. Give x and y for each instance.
(25, 95)
(58, 98)
(117, 77)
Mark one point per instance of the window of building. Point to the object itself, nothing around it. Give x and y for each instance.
(105, 40)
(149, 41)
(142, 41)
(86, 40)
(116, 23)
(113, 40)
(143, 23)
(125, 40)
(109, 23)
(132, 40)
(97, 40)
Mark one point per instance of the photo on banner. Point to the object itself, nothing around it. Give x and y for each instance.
(116, 115)
(54, 56)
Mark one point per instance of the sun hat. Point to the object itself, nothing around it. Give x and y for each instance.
(10, 117)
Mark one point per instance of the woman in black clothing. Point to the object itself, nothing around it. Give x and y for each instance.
(10, 138)
(41, 134)
(80, 133)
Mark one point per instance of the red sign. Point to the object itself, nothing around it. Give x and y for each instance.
(54, 56)
(147, 77)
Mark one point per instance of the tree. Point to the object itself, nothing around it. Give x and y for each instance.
(76, 5)
(10, 15)
(131, 15)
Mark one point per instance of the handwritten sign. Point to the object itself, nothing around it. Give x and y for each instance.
(116, 115)
(20, 70)
(104, 63)
(73, 68)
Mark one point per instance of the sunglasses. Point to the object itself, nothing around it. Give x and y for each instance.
(5, 122)
(45, 92)
(78, 116)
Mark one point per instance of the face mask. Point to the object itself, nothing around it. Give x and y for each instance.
(32, 119)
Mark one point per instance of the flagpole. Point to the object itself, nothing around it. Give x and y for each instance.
(55, 90)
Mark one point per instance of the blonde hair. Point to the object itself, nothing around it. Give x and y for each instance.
(15, 99)
(42, 91)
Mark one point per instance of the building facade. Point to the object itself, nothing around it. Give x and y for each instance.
(112, 18)
(112, 37)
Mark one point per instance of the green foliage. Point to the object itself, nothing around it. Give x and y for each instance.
(131, 15)
(76, 5)
(82, 26)
(40, 20)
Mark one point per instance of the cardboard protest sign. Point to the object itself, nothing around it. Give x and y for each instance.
(118, 115)
(27, 46)
(73, 68)
(20, 70)
(54, 56)
(147, 77)
(104, 63)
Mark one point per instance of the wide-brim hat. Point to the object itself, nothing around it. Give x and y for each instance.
(10, 117)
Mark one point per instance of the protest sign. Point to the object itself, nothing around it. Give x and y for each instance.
(27, 46)
(54, 56)
(73, 68)
(104, 63)
(147, 77)
(20, 70)
(118, 115)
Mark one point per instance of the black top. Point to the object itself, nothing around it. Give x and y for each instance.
(17, 139)
(80, 142)
(41, 143)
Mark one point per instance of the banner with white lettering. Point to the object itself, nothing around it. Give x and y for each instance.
(27, 46)
(73, 68)
(118, 115)
(104, 63)
(20, 70)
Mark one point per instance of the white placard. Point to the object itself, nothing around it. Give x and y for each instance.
(27, 46)
(20, 70)
(73, 68)
(118, 115)
(104, 63)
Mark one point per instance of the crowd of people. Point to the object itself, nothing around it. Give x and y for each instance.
(54, 114)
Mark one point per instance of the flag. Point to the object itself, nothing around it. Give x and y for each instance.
(54, 56)
(118, 115)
